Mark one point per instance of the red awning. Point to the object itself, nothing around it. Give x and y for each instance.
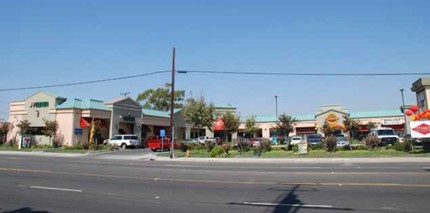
(218, 125)
(84, 123)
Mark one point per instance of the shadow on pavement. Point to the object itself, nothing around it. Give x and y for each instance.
(24, 210)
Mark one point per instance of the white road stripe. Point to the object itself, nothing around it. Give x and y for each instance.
(56, 189)
(301, 167)
(291, 205)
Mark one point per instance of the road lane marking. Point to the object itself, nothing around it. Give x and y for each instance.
(309, 167)
(217, 181)
(289, 205)
(56, 189)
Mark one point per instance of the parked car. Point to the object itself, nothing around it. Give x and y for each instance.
(124, 141)
(203, 139)
(296, 140)
(314, 139)
(342, 141)
(159, 143)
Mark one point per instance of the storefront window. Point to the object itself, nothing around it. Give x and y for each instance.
(421, 100)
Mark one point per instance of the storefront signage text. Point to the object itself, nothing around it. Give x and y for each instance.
(128, 118)
(43, 104)
(420, 129)
(394, 121)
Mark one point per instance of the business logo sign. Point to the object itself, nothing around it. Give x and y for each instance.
(42, 104)
(420, 129)
(331, 119)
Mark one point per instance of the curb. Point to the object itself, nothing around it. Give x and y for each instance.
(299, 160)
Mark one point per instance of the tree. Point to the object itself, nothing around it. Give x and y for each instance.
(198, 113)
(370, 125)
(328, 130)
(159, 99)
(50, 129)
(250, 126)
(24, 127)
(231, 123)
(4, 129)
(286, 125)
(351, 126)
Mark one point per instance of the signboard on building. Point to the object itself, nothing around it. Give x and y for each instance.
(420, 129)
(162, 133)
(78, 131)
(42, 104)
(393, 121)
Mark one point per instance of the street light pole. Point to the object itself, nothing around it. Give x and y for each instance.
(405, 125)
(172, 106)
(276, 107)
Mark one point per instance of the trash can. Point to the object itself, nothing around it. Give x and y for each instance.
(257, 151)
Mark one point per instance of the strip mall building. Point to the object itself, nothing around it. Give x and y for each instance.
(125, 116)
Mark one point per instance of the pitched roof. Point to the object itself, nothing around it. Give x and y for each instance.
(159, 113)
(262, 119)
(82, 104)
(371, 114)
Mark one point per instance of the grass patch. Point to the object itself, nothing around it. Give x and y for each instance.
(312, 154)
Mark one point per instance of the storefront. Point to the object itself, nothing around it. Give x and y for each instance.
(74, 117)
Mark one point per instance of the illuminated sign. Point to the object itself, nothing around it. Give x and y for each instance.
(43, 104)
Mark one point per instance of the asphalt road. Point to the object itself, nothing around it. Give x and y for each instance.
(123, 182)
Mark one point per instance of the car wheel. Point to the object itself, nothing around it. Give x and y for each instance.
(123, 146)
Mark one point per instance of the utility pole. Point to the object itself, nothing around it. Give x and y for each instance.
(405, 126)
(125, 94)
(172, 106)
(276, 107)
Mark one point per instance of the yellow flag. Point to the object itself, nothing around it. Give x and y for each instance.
(91, 132)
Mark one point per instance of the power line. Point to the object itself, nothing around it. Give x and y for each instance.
(215, 72)
(302, 74)
(84, 82)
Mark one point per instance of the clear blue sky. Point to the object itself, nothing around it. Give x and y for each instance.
(54, 42)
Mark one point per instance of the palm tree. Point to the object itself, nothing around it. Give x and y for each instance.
(286, 125)
(351, 126)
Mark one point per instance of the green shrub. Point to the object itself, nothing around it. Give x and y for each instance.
(183, 146)
(243, 145)
(315, 147)
(330, 143)
(372, 142)
(217, 150)
(266, 145)
(210, 145)
(403, 147)
(295, 147)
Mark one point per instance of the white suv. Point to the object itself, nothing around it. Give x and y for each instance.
(124, 141)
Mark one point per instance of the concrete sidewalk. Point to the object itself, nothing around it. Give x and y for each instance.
(154, 157)
(299, 160)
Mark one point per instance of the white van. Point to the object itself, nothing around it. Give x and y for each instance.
(385, 134)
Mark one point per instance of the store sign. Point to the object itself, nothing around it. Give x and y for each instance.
(394, 121)
(331, 119)
(420, 129)
(42, 104)
(128, 118)
(78, 131)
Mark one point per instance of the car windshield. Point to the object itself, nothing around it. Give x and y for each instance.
(341, 138)
(386, 132)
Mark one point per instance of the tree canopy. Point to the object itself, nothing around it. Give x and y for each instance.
(351, 126)
(24, 127)
(159, 99)
(250, 126)
(286, 124)
(231, 123)
(198, 113)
